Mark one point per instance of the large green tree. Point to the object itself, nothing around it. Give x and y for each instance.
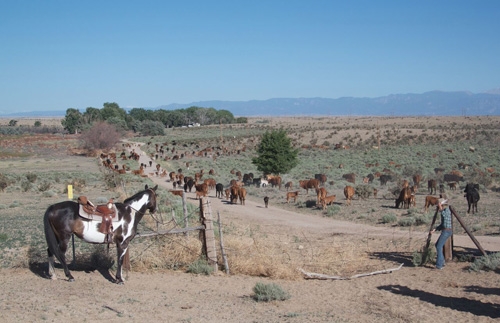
(276, 154)
(73, 120)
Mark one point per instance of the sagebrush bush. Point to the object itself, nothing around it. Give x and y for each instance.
(488, 262)
(200, 266)
(269, 292)
(389, 218)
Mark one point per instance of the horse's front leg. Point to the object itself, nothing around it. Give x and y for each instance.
(123, 260)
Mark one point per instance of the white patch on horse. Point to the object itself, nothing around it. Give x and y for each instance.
(91, 233)
(135, 206)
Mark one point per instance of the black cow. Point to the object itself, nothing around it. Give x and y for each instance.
(472, 196)
(384, 179)
(219, 190)
(189, 185)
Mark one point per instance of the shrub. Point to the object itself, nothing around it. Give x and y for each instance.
(200, 266)
(45, 186)
(488, 262)
(101, 135)
(407, 222)
(332, 210)
(389, 218)
(31, 177)
(269, 292)
(26, 186)
(429, 255)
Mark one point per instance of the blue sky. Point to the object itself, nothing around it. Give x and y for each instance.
(56, 55)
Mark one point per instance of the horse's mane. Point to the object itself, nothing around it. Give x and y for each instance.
(134, 197)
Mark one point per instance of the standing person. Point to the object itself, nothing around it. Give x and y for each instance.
(446, 231)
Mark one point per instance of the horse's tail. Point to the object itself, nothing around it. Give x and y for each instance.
(50, 236)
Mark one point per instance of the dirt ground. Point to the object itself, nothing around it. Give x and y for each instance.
(406, 295)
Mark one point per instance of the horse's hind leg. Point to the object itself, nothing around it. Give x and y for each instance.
(63, 247)
(52, 272)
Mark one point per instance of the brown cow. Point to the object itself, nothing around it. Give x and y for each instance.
(309, 184)
(349, 192)
(266, 201)
(235, 190)
(201, 190)
(227, 192)
(327, 200)
(321, 178)
(321, 194)
(177, 192)
(404, 198)
(430, 201)
(416, 181)
(210, 183)
(351, 177)
(431, 186)
(292, 195)
(242, 194)
(452, 185)
(289, 186)
(274, 181)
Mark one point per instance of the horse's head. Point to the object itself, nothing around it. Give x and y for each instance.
(151, 204)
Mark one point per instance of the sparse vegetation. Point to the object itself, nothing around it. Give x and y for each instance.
(269, 292)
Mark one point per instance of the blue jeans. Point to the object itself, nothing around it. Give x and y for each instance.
(445, 234)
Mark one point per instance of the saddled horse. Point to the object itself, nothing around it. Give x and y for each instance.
(62, 219)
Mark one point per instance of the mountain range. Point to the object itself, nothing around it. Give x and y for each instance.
(434, 103)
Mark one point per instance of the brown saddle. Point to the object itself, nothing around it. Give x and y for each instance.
(107, 212)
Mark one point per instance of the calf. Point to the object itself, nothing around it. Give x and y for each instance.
(292, 195)
(266, 201)
(327, 200)
(289, 186)
(430, 201)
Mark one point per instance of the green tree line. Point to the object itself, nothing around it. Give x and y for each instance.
(147, 122)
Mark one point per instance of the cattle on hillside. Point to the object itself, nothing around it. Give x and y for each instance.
(430, 201)
(292, 195)
(351, 177)
(327, 200)
(472, 196)
(309, 184)
(242, 195)
(404, 198)
(201, 190)
(289, 186)
(320, 194)
(432, 186)
(321, 178)
(384, 179)
(189, 185)
(234, 194)
(274, 180)
(266, 201)
(417, 178)
(349, 192)
(453, 178)
(219, 190)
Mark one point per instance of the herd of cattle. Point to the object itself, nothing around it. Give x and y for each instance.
(236, 189)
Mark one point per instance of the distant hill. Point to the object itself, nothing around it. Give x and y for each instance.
(430, 103)
(435, 103)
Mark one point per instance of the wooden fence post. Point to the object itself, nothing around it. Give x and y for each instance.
(208, 235)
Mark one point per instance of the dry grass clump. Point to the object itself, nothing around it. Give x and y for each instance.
(165, 252)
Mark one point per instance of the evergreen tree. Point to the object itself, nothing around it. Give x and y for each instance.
(275, 153)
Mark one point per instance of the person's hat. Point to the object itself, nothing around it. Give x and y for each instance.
(443, 202)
